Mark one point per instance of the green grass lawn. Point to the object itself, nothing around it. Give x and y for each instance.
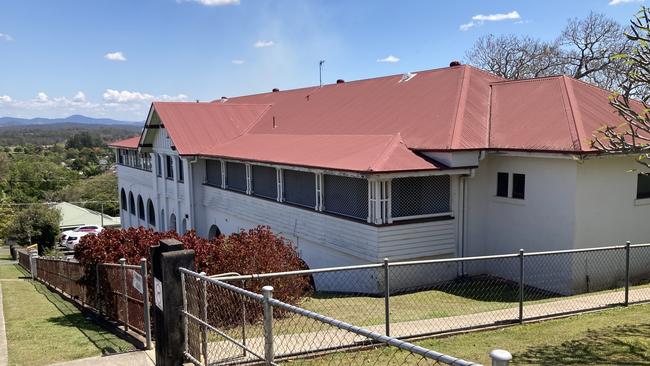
(472, 296)
(44, 328)
(11, 271)
(618, 336)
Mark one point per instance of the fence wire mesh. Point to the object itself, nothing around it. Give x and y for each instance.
(109, 289)
(24, 259)
(447, 295)
(225, 324)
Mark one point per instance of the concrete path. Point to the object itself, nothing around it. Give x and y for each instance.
(4, 356)
(136, 358)
(333, 337)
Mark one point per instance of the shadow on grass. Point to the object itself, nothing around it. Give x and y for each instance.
(617, 345)
(104, 340)
(482, 288)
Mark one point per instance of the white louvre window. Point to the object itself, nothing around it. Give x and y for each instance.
(213, 172)
(345, 196)
(420, 196)
(265, 182)
(299, 188)
(236, 176)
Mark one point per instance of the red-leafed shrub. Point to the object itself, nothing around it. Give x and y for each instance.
(257, 250)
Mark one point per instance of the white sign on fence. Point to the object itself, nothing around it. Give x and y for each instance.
(157, 293)
(137, 281)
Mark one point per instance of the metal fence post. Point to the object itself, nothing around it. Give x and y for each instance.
(33, 254)
(186, 343)
(145, 301)
(521, 286)
(627, 273)
(243, 317)
(387, 296)
(267, 292)
(204, 317)
(500, 357)
(98, 302)
(126, 295)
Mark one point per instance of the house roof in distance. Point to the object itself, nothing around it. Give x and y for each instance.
(383, 124)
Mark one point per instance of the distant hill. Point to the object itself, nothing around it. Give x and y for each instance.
(53, 133)
(77, 119)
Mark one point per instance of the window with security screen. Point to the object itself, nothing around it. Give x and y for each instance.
(265, 182)
(236, 176)
(346, 196)
(643, 186)
(417, 196)
(299, 188)
(213, 172)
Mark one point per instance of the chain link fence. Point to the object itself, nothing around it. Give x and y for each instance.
(117, 291)
(225, 324)
(419, 298)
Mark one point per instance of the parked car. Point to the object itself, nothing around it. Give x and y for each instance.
(70, 238)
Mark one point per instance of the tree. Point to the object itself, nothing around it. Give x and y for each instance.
(36, 223)
(514, 57)
(99, 188)
(84, 139)
(585, 50)
(632, 136)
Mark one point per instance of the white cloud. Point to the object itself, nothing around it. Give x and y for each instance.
(115, 56)
(479, 19)
(618, 2)
(212, 2)
(125, 96)
(390, 59)
(42, 97)
(237, 62)
(6, 37)
(79, 97)
(124, 104)
(263, 43)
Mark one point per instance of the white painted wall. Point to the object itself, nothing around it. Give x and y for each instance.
(607, 210)
(544, 220)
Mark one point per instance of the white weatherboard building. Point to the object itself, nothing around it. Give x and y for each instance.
(448, 162)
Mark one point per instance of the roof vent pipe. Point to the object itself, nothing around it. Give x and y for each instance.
(340, 81)
(454, 63)
(275, 90)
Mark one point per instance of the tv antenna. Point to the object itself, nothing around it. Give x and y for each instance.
(320, 72)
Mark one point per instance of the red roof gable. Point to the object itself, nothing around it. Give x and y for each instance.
(379, 124)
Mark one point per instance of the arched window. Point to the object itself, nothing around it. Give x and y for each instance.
(214, 232)
(140, 208)
(152, 213)
(123, 200)
(172, 222)
(184, 226)
(131, 204)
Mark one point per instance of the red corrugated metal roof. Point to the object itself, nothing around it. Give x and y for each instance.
(370, 153)
(379, 124)
(130, 143)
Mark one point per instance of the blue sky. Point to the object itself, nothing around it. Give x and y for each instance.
(110, 58)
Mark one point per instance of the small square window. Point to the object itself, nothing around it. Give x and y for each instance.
(643, 186)
(502, 184)
(518, 186)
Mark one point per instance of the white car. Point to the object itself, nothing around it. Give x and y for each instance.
(70, 238)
